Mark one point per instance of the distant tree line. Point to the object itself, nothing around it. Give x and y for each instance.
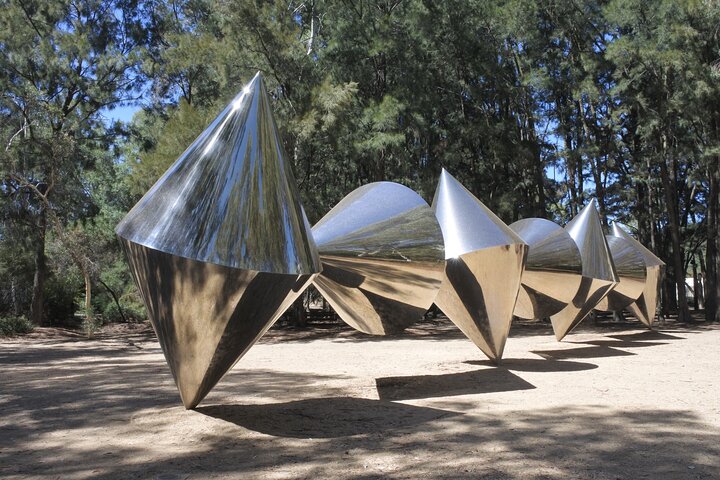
(535, 106)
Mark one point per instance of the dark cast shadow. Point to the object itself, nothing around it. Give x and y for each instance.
(536, 365)
(310, 419)
(465, 383)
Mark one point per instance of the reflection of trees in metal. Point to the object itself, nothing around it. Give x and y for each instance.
(484, 264)
(553, 269)
(382, 254)
(598, 271)
(220, 245)
(644, 300)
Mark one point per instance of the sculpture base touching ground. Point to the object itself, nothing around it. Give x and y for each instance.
(207, 316)
(478, 294)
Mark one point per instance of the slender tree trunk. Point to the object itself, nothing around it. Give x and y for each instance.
(677, 258)
(712, 294)
(88, 296)
(37, 316)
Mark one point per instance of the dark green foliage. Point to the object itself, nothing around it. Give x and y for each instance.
(14, 326)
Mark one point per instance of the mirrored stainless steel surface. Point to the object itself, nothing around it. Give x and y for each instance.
(645, 306)
(383, 259)
(484, 264)
(553, 270)
(207, 316)
(230, 199)
(220, 245)
(631, 272)
(598, 270)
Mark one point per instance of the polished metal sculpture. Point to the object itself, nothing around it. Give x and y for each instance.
(220, 245)
(598, 271)
(630, 267)
(553, 271)
(644, 305)
(382, 255)
(484, 264)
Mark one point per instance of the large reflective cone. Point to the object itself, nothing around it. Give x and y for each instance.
(220, 245)
(382, 255)
(553, 271)
(631, 272)
(644, 307)
(598, 271)
(484, 264)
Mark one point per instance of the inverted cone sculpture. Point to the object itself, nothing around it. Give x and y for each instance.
(484, 263)
(630, 268)
(553, 270)
(220, 245)
(644, 307)
(598, 271)
(382, 254)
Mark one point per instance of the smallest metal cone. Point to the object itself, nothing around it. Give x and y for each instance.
(645, 306)
(484, 264)
(632, 275)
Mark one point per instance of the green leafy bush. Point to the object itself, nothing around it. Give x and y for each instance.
(14, 325)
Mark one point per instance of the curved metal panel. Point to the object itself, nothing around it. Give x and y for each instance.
(599, 275)
(383, 258)
(645, 306)
(631, 271)
(484, 264)
(553, 269)
(230, 199)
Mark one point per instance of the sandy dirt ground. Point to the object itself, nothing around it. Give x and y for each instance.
(611, 402)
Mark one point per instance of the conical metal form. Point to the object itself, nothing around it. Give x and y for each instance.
(220, 245)
(484, 264)
(598, 271)
(630, 268)
(553, 271)
(383, 259)
(231, 198)
(645, 306)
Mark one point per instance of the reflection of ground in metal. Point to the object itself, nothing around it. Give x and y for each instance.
(645, 304)
(598, 271)
(484, 263)
(553, 269)
(220, 245)
(382, 253)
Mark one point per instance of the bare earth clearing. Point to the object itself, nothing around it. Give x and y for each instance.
(607, 403)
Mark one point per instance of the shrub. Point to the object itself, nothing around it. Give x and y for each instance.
(14, 325)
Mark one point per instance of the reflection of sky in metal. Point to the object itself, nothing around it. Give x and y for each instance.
(230, 199)
(368, 205)
(651, 260)
(587, 232)
(467, 224)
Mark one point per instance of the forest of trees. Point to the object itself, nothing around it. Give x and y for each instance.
(536, 106)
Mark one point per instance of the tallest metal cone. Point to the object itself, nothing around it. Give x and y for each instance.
(220, 245)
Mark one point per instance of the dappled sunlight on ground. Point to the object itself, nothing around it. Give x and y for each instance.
(622, 403)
